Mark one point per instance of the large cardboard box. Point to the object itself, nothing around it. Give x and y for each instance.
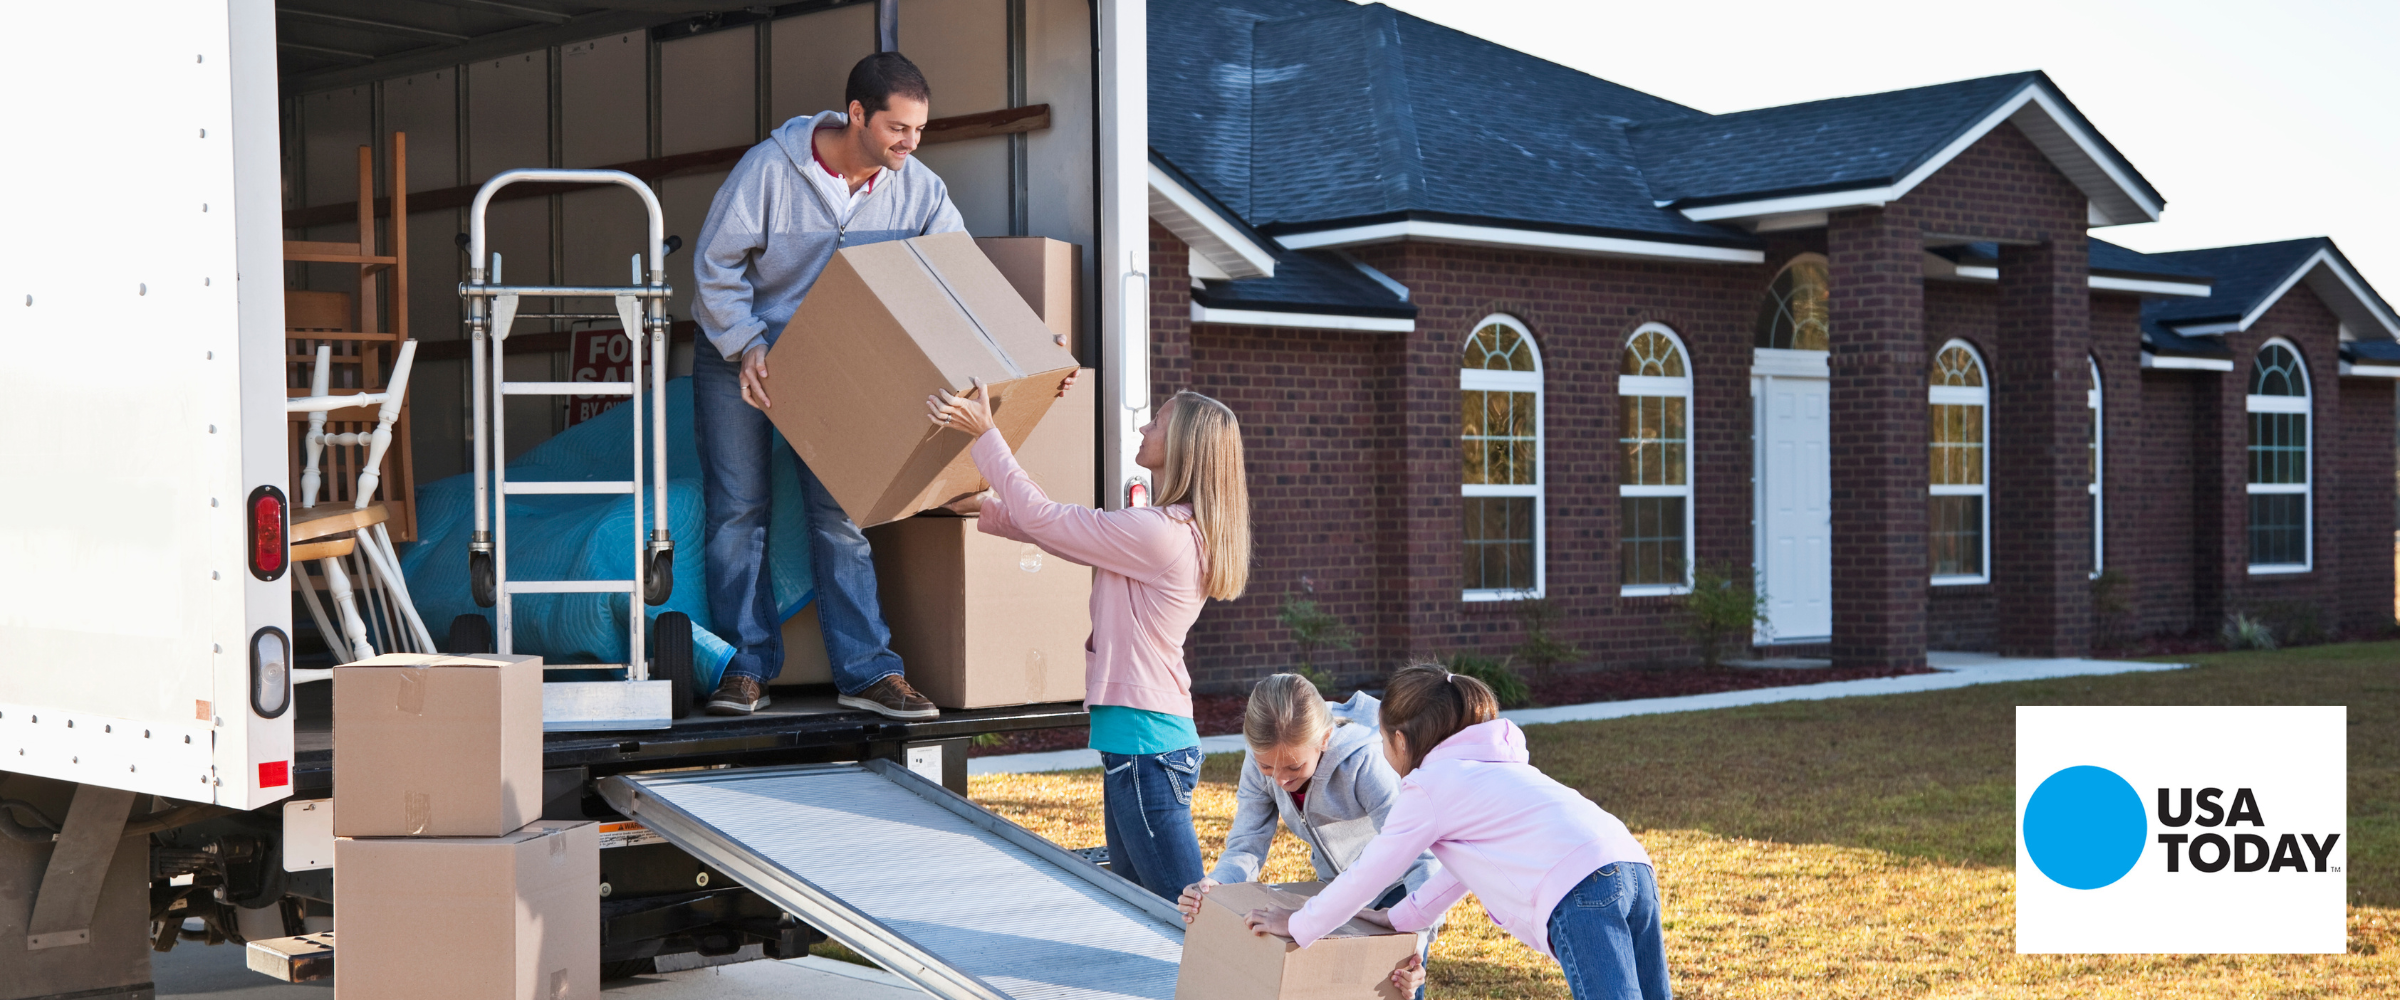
(1223, 960)
(981, 621)
(428, 745)
(1062, 454)
(1046, 272)
(885, 325)
(515, 917)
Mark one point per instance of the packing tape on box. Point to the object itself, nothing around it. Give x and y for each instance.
(416, 811)
(558, 846)
(558, 984)
(1037, 673)
(1014, 370)
(412, 689)
(1029, 557)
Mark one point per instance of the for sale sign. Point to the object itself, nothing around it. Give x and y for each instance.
(598, 356)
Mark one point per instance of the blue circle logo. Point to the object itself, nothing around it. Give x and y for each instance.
(2085, 828)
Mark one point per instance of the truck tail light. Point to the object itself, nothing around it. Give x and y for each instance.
(270, 672)
(269, 548)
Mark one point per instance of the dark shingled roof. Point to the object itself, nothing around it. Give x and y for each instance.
(2386, 352)
(1309, 281)
(2105, 258)
(2245, 275)
(2159, 340)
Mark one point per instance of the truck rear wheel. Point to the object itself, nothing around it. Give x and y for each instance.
(469, 634)
(673, 662)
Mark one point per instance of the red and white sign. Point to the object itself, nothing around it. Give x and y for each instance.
(598, 356)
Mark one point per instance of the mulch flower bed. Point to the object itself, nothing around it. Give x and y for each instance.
(1221, 714)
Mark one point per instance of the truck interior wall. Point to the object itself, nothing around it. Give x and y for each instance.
(627, 96)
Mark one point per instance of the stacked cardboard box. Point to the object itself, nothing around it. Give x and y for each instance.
(1224, 960)
(447, 881)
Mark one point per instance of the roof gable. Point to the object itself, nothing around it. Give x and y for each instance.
(2253, 277)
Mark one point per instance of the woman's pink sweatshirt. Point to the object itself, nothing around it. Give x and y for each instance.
(1503, 830)
(1145, 595)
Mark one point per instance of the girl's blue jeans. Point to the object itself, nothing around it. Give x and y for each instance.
(1146, 805)
(1607, 938)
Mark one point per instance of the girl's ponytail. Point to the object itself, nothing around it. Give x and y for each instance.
(1427, 703)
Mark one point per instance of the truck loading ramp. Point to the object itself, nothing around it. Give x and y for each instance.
(937, 889)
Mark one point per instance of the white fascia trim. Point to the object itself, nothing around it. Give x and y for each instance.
(1306, 321)
(2370, 371)
(2150, 360)
(2085, 142)
(2207, 329)
(1518, 239)
(2149, 286)
(1205, 231)
(2349, 282)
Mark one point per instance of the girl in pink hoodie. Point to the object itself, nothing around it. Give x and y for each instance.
(1154, 569)
(1551, 867)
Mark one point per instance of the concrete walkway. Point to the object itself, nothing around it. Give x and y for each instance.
(1951, 670)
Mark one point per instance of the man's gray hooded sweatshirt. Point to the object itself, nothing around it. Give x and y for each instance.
(1347, 799)
(770, 232)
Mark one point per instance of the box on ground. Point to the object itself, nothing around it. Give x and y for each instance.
(885, 325)
(980, 620)
(1223, 960)
(515, 917)
(1045, 272)
(428, 745)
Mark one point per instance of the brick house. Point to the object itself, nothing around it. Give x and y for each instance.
(1501, 330)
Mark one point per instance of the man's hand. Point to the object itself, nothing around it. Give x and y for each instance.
(1190, 903)
(1410, 976)
(1273, 920)
(969, 411)
(1061, 340)
(754, 377)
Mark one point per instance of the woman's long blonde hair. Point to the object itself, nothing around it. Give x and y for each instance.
(1205, 469)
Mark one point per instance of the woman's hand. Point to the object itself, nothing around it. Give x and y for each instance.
(1190, 903)
(1410, 976)
(1273, 920)
(970, 411)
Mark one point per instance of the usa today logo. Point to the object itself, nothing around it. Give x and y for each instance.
(2137, 824)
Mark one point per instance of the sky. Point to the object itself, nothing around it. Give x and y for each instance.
(2257, 121)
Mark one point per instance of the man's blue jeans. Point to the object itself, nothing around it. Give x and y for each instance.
(1607, 937)
(735, 442)
(1146, 809)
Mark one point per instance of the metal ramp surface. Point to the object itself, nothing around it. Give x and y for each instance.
(933, 887)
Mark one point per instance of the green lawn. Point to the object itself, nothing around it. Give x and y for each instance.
(1932, 775)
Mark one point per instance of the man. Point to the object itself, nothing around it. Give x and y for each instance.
(818, 184)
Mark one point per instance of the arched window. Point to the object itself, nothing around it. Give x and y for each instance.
(1654, 475)
(1960, 518)
(1500, 444)
(2279, 461)
(1796, 313)
(2098, 472)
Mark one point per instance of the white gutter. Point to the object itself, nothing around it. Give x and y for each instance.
(2150, 360)
(2371, 371)
(1304, 321)
(1208, 233)
(2149, 286)
(1518, 239)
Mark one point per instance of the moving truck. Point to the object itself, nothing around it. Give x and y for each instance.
(166, 756)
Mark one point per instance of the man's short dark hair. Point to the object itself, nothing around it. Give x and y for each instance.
(879, 78)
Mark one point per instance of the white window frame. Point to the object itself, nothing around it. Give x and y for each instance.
(1633, 386)
(2301, 404)
(2093, 400)
(1979, 397)
(1487, 380)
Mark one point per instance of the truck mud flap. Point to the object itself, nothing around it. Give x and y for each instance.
(939, 890)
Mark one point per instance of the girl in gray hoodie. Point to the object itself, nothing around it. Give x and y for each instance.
(1321, 771)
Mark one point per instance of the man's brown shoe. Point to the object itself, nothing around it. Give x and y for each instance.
(739, 696)
(892, 697)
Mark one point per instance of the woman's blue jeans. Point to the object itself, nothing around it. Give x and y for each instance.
(735, 441)
(1146, 807)
(1607, 937)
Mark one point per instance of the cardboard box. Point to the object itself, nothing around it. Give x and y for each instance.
(885, 325)
(1062, 454)
(981, 621)
(1223, 960)
(804, 660)
(515, 917)
(428, 745)
(1046, 272)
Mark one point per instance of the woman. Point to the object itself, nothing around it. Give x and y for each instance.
(1155, 568)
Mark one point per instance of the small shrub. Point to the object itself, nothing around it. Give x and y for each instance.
(2244, 632)
(2110, 609)
(1313, 629)
(1722, 610)
(2294, 623)
(1498, 675)
(1541, 649)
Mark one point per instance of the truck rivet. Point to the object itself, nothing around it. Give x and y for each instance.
(605, 889)
(701, 879)
(144, 288)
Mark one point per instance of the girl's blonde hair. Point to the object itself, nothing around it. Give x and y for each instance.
(1205, 469)
(1285, 711)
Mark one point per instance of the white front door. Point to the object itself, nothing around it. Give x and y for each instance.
(1794, 505)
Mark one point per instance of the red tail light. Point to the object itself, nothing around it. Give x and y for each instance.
(268, 548)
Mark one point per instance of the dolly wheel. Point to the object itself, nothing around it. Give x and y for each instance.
(469, 634)
(481, 580)
(660, 584)
(673, 663)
